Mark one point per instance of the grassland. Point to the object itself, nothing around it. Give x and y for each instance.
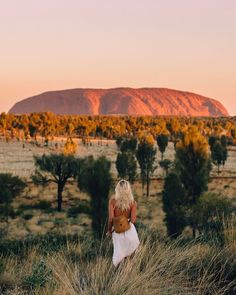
(53, 253)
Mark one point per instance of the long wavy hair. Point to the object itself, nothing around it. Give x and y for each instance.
(123, 195)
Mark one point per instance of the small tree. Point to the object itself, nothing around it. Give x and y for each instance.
(193, 166)
(126, 144)
(166, 164)
(56, 168)
(69, 147)
(218, 155)
(95, 179)
(10, 187)
(129, 145)
(126, 166)
(223, 141)
(146, 155)
(212, 139)
(174, 202)
(162, 142)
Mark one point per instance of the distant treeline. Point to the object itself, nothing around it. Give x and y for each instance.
(49, 125)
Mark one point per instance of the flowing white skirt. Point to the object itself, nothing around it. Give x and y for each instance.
(124, 244)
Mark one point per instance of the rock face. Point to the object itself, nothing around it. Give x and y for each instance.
(119, 101)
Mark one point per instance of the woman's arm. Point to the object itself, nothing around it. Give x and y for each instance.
(110, 215)
(133, 212)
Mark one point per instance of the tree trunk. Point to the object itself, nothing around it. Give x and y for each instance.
(7, 213)
(59, 196)
(148, 180)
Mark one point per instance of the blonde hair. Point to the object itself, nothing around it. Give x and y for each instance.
(123, 195)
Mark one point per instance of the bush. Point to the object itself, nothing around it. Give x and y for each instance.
(209, 215)
(27, 216)
(50, 242)
(43, 205)
(40, 275)
(82, 208)
(2, 266)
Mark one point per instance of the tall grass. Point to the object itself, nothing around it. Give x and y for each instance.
(158, 267)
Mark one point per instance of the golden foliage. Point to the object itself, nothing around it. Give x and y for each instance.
(69, 147)
(196, 139)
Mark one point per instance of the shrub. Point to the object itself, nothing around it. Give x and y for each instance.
(27, 216)
(40, 275)
(82, 208)
(210, 213)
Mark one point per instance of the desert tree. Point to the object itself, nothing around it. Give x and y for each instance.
(223, 141)
(10, 187)
(57, 168)
(174, 205)
(218, 155)
(166, 165)
(95, 179)
(162, 142)
(126, 166)
(70, 147)
(193, 166)
(129, 145)
(211, 140)
(146, 156)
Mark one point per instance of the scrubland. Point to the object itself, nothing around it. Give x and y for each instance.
(49, 252)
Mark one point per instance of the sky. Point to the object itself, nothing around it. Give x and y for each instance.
(60, 44)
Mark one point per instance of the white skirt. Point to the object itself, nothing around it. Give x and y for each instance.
(124, 244)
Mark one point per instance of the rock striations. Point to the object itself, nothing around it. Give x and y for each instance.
(120, 101)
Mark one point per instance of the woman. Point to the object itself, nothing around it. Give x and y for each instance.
(122, 216)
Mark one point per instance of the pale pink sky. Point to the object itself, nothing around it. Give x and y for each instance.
(58, 44)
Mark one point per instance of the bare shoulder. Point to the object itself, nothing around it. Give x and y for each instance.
(112, 201)
(134, 204)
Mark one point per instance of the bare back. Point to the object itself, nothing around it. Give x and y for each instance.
(114, 211)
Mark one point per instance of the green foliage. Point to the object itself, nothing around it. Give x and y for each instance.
(146, 155)
(119, 140)
(2, 266)
(193, 167)
(47, 243)
(10, 187)
(81, 208)
(162, 142)
(126, 166)
(41, 205)
(210, 212)
(166, 165)
(212, 139)
(218, 154)
(95, 179)
(40, 275)
(174, 205)
(223, 141)
(27, 216)
(56, 168)
(129, 145)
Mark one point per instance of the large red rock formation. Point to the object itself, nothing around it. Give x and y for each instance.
(142, 101)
